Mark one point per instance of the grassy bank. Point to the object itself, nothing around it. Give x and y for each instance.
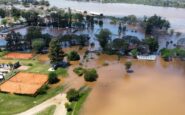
(48, 111)
(78, 105)
(12, 104)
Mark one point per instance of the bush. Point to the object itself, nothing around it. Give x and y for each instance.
(90, 75)
(43, 90)
(73, 56)
(79, 71)
(128, 65)
(30, 64)
(166, 54)
(134, 53)
(38, 45)
(73, 95)
(53, 78)
(68, 107)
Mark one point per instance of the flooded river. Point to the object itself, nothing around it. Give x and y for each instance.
(176, 16)
(155, 88)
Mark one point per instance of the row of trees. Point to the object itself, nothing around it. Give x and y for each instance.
(126, 44)
(33, 39)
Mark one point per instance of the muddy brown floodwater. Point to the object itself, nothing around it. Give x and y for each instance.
(155, 88)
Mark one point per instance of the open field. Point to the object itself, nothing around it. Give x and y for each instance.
(24, 83)
(19, 56)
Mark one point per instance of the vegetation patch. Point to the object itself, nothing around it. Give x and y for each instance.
(73, 56)
(48, 111)
(74, 107)
(90, 75)
(79, 71)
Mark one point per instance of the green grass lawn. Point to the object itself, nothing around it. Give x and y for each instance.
(78, 105)
(2, 53)
(12, 104)
(48, 111)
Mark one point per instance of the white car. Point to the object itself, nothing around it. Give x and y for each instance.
(51, 69)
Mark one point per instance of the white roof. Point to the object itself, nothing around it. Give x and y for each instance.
(1, 77)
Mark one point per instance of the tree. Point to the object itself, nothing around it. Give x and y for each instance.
(103, 37)
(134, 53)
(119, 44)
(2, 13)
(38, 45)
(167, 54)
(156, 22)
(73, 56)
(152, 43)
(73, 95)
(13, 41)
(15, 12)
(52, 78)
(31, 17)
(47, 39)
(55, 52)
(128, 65)
(90, 75)
(33, 33)
(4, 22)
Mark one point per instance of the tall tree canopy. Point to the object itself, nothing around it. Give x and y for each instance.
(156, 22)
(103, 37)
(13, 41)
(55, 51)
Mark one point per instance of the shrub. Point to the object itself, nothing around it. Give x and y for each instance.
(38, 45)
(90, 75)
(43, 89)
(166, 54)
(68, 107)
(73, 56)
(52, 78)
(79, 71)
(73, 95)
(30, 64)
(128, 65)
(134, 53)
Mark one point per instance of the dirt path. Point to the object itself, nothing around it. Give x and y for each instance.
(61, 110)
(58, 100)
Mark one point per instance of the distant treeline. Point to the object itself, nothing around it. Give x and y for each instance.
(166, 3)
(6, 1)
